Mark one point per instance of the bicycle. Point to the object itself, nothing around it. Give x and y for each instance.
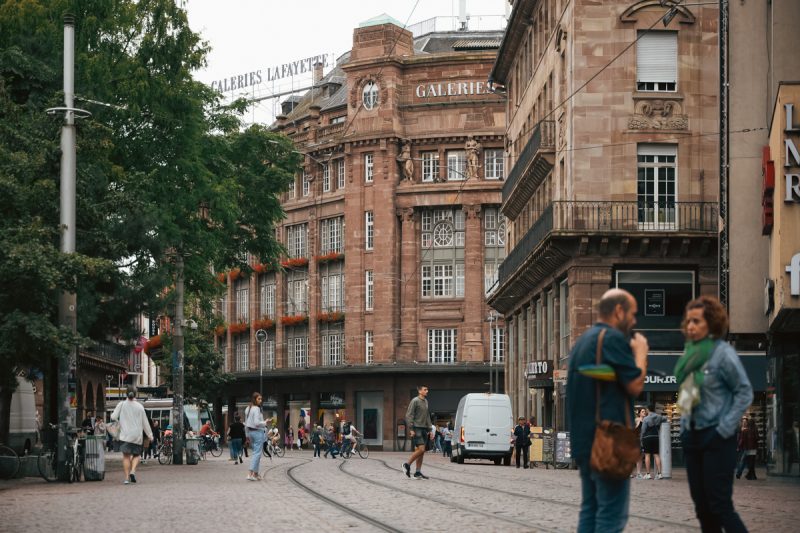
(269, 450)
(76, 456)
(164, 451)
(47, 461)
(9, 462)
(359, 447)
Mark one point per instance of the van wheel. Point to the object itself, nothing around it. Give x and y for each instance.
(497, 461)
(460, 459)
(507, 460)
(453, 458)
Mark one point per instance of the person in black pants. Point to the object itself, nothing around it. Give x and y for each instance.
(522, 436)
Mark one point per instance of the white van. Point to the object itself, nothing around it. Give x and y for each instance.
(483, 428)
(22, 419)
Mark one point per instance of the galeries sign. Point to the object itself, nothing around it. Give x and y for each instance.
(451, 88)
(256, 77)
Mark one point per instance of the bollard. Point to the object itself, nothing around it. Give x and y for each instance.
(665, 449)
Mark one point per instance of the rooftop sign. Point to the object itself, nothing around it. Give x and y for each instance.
(277, 72)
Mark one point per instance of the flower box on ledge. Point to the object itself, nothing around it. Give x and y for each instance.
(260, 268)
(235, 273)
(153, 343)
(222, 277)
(295, 262)
(239, 327)
(264, 323)
(220, 330)
(294, 320)
(333, 316)
(330, 257)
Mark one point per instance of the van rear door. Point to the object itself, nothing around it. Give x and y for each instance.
(476, 420)
(499, 425)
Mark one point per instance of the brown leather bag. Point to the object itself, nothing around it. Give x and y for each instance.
(616, 448)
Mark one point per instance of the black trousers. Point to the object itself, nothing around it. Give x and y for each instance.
(522, 450)
(710, 464)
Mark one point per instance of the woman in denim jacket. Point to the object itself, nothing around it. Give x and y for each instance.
(714, 394)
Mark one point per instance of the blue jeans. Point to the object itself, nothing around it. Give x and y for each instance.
(235, 447)
(605, 502)
(257, 443)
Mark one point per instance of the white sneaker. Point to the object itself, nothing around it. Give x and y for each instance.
(638, 476)
(647, 476)
(659, 476)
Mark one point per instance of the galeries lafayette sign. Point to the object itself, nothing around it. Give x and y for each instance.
(450, 88)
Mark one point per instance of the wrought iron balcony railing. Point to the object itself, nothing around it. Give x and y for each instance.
(542, 138)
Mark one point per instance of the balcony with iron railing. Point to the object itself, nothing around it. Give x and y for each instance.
(108, 354)
(532, 166)
(571, 222)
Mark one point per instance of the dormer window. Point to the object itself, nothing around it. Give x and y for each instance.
(370, 95)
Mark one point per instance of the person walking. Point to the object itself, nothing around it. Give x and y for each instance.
(748, 447)
(330, 438)
(714, 392)
(447, 432)
(256, 425)
(649, 439)
(522, 440)
(316, 440)
(640, 414)
(133, 425)
(236, 437)
(289, 439)
(604, 505)
(419, 421)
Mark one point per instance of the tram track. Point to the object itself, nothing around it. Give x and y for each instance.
(446, 503)
(340, 506)
(538, 498)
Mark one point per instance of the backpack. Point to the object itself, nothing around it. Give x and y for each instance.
(346, 428)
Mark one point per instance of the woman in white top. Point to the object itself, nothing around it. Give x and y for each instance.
(255, 425)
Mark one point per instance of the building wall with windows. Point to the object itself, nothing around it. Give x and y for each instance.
(393, 235)
(612, 121)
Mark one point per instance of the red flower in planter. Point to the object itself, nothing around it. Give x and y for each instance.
(295, 262)
(333, 316)
(235, 273)
(264, 323)
(294, 320)
(260, 268)
(153, 343)
(222, 277)
(239, 327)
(220, 330)
(329, 257)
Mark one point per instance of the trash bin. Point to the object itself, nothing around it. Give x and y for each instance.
(94, 467)
(192, 445)
(665, 449)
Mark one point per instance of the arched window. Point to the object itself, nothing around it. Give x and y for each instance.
(370, 95)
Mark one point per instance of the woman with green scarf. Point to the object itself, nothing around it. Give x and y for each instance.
(714, 394)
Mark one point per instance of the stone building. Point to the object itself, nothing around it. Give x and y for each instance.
(612, 127)
(394, 237)
(763, 216)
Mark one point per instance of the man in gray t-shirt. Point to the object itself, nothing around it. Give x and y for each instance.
(419, 424)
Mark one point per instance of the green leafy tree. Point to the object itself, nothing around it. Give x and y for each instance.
(164, 170)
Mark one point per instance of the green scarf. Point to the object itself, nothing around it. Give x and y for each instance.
(695, 356)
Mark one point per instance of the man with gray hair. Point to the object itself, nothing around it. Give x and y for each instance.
(604, 505)
(133, 425)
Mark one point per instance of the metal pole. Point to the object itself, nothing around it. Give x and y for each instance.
(67, 301)
(261, 367)
(177, 366)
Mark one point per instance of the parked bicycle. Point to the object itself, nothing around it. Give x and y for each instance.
(47, 461)
(75, 456)
(9, 462)
(269, 449)
(359, 447)
(164, 451)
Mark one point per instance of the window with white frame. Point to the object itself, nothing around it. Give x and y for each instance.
(657, 61)
(266, 353)
(223, 307)
(369, 348)
(493, 164)
(338, 120)
(369, 95)
(326, 177)
(430, 166)
(223, 350)
(331, 293)
(550, 325)
(297, 240)
(442, 346)
(242, 300)
(299, 352)
(442, 262)
(332, 349)
(296, 292)
(494, 239)
(539, 330)
(340, 174)
(369, 230)
(498, 344)
(369, 163)
(369, 291)
(331, 235)
(293, 189)
(657, 185)
(306, 184)
(456, 165)
(242, 355)
(267, 294)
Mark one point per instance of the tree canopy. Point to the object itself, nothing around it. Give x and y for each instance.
(163, 168)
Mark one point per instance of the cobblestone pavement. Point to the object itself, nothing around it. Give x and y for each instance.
(360, 495)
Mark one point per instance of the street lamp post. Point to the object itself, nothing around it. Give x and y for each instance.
(261, 337)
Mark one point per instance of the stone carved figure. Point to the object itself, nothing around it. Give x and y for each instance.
(473, 158)
(406, 162)
(658, 115)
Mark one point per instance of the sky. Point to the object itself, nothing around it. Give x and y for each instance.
(250, 35)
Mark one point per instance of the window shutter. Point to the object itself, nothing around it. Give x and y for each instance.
(657, 149)
(657, 57)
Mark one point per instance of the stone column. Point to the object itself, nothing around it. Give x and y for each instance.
(313, 290)
(280, 310)
(474, 303)
(410, 285)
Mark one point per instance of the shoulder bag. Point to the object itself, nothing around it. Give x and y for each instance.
(112, 428)
(616, 448)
